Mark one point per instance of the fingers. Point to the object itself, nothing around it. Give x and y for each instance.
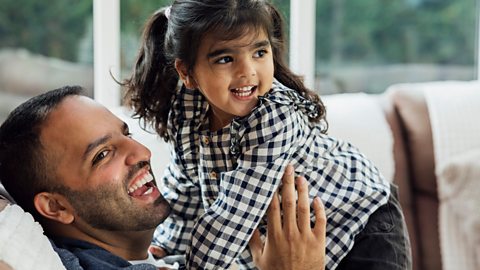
(289, 201)
(303, 205)
(157, 251)
(320, 219)
(256, 245)
(274, 219)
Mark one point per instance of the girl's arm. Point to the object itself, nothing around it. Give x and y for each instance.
(174, 234)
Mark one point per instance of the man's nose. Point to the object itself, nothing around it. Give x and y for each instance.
(136, 152)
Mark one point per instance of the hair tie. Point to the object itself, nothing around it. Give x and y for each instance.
(167, 12)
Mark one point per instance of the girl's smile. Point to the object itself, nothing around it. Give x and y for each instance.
(231, 74)
(244, 93)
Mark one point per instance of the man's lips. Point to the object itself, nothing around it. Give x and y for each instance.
(142, 184)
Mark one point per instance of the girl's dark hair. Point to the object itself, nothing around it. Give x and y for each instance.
(154, 79)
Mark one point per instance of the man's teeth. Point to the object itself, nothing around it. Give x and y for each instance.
(149, 190)
(147, 178)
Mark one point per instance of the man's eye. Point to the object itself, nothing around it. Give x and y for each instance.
(100, 156)
(260, 53)
(224, 60)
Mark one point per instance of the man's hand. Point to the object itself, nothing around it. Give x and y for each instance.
(293, 244)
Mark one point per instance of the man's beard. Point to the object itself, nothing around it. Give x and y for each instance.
(108, 207)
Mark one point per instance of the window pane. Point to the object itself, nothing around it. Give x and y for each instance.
(370, 44)
(133, 16)
(43, 45)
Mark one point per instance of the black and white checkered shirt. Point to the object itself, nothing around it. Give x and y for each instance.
(220, 183)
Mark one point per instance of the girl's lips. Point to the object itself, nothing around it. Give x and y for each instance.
(244, 93)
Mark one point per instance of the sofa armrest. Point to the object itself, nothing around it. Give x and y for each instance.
(411, 108)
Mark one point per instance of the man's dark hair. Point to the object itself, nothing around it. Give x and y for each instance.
(24, 170)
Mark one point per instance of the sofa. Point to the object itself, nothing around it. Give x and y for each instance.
(394, 130)
(416, 159)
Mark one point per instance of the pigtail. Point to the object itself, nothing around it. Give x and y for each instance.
(154, 79)
(282, 73)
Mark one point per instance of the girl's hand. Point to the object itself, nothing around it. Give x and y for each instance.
(157, 251)
(293, 244)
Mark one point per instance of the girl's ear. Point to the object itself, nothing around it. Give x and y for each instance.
(182, 71)
(54, 207)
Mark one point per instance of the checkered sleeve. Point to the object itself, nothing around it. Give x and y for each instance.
(184, 197)
(222, 233)
(180, 183)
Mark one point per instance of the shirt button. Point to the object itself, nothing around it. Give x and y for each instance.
(213, 175)
(205, 140)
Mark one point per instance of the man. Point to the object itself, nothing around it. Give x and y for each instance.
(74, 166)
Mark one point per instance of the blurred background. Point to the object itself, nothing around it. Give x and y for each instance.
(359, 45)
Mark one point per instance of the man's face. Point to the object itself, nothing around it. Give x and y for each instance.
(100, 169)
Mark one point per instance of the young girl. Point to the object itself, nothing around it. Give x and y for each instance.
(237, 120)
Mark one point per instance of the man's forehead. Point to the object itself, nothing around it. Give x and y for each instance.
(74, 121)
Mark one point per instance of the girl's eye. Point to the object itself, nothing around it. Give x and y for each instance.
(100, 156)
(260, 53)
(224, 60)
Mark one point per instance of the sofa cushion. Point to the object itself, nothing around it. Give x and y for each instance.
(359, 119)
(409, 102)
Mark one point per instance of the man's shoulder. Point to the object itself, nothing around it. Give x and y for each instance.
(77, 254)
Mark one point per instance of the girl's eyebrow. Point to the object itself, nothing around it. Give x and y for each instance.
(258, 44)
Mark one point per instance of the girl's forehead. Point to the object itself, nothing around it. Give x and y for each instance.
(242, 38)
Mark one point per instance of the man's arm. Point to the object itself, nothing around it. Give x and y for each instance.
(292, 244)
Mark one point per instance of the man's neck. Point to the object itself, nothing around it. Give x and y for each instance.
(129, 245)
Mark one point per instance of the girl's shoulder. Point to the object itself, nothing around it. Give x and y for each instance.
(282, 97)
(188, 109)
(188, 104)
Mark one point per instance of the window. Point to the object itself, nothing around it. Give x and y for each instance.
(365, 46)
(132, 19)
(43, 45)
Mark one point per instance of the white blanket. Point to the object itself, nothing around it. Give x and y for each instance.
(23, 245)
(454, 109)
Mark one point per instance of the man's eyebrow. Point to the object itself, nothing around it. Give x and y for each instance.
(221, 51)
(91, 146)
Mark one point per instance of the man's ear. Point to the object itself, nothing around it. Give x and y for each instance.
(54, 206)
(182, 71)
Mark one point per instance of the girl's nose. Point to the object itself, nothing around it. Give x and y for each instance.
(136, 152)
(246, 69)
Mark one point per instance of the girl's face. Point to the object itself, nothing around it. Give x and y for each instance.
(232, 74)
